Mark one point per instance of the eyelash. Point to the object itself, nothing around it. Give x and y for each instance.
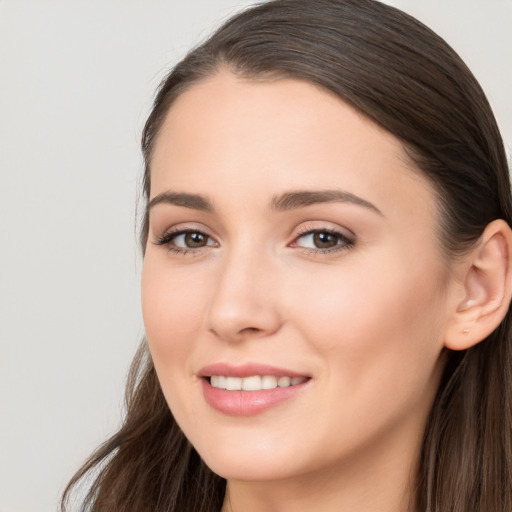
(167, 238)
(344, 242)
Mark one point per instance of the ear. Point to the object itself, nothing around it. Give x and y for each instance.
(484, 299)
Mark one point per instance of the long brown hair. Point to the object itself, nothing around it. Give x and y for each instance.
(405, 78)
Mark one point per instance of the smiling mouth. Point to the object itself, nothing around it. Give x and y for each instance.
(250, 389)
(254, 382)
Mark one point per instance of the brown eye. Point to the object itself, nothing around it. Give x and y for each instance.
(181, 241)
(194, 239)
(325, 240)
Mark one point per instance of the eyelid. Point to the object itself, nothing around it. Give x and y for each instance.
(315, 226)
(182, 227)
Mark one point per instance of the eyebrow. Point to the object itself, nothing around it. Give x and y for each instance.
(193, 201)
(302, 198)
(284, 202)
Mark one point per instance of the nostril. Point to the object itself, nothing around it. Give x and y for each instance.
(251, 330)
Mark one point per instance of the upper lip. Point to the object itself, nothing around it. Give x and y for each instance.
(246, 370)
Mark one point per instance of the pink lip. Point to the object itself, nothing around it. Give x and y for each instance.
(246, 370)
(247, 403)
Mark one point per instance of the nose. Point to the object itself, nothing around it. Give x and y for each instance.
(244, 302)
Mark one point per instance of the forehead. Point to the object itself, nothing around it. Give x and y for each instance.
(228, 136)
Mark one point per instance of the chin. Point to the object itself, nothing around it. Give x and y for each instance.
(250, 461)
(249, 470)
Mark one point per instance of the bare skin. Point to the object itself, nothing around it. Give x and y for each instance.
(291, 231)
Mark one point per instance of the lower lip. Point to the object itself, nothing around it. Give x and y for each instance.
(248, 403)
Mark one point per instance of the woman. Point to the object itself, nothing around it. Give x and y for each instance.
(327, 277)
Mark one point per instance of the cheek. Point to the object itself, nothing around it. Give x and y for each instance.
(172, 306)
(382, 323)
(378, 337)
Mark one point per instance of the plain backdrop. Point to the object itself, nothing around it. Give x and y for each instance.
(76, 81)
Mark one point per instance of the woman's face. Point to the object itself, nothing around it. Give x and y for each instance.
(290, 242)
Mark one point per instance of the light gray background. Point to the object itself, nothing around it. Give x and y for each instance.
(76, 81)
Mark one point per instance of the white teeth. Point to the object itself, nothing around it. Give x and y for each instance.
(251, 383)
(254, 383)
(284, 382)
(233, 383)
(268, 382)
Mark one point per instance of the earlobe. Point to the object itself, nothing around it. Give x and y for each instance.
(487, 289)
